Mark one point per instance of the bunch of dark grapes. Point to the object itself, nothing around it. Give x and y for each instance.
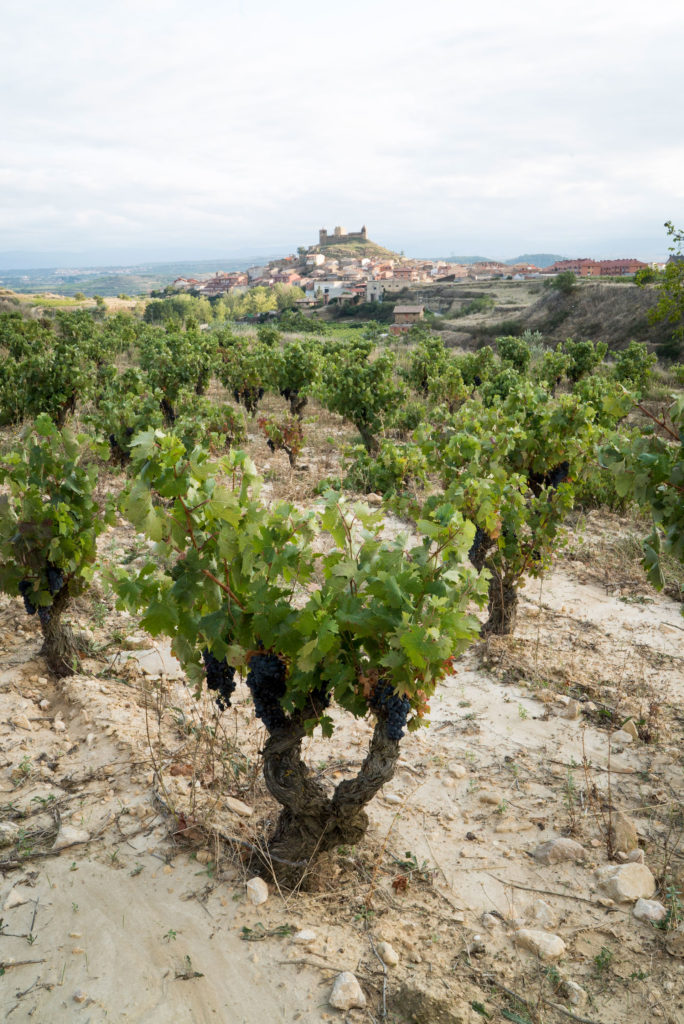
(266, 682)
(44, 616)
(220, 678)
(55, 579)
(26, 588)
(393, 708)
(557, 475)
(478, 549)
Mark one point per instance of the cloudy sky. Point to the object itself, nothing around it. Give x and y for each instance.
(148, 129)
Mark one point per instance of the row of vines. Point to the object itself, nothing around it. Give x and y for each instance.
(482, 455)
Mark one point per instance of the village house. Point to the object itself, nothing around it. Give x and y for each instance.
(405, 317)
(374, 291)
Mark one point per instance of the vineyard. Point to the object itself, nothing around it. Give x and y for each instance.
(242, 570)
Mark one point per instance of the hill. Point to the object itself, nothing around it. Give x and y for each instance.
(345, 250)
(537, 259)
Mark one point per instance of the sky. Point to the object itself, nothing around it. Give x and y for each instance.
(165, 130)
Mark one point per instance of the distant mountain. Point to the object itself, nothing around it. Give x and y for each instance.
(537, 259)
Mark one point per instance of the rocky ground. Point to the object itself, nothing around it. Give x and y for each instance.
(522, 865)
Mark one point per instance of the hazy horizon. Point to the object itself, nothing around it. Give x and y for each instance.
(146, 133)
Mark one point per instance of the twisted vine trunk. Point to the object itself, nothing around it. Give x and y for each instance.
(502, 606)
(59, 643)
(311, 820)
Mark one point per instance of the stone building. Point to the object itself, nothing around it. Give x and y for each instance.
(340, 236)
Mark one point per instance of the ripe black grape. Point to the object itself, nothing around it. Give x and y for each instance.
(55, 579)
(26, 588)
(557, 475)
(220, 678)
(394, 709)
(44, 616)
(478, 549)
(266, 682)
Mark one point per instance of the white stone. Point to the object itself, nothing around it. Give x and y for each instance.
(631, 728)
(490, 922)
(457, 771)
(15, 899)
(44, 704)
(238, 807)
(391, 798)
(621, 738)
(557, 850)
(9, 831)
(543, 915)
(491, 798)
(346, 992)
(305, 937)
(257, 891)
(544, 944)
(636, 857)
(649, 910)
(70, 836)
(626, 882)
(90, 739)
(573, 992)
(388, 954)
(572, 710)
(58, 725)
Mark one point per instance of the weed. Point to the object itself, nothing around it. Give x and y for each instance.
(603, 960)
(522, 712)
(675, 910)
(502, 808)
(136, 870)
(74, 907)
(170, 936)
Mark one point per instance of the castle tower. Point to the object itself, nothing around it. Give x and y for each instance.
(323, 236)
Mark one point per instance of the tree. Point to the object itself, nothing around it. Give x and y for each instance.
(376, 632)
(670, 286)
(49, 525)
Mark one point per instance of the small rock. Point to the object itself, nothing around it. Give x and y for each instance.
(346, 992)
(79, 996)
(477, 945)
(42, 681)
(203, 856)
(621, 738)
(573, 992)
(624, 833)
(544, 944)
(490, 922)
(257, 891)
(9, 831)
(44, 704)
(90, 739)
(21, 722)
(238, 807)
(543, 915)
(649, 910)
(457, 771)
(631, 728)
(589, 705)
(69, 836)
(305, 937)
(572, 710)
(392, 798)
(675, 942)
(373, 499)
(491, 798)
(557, 850)
(388, 954)
(636, 857)
(58, 725)
(14, 899)
(626, 882)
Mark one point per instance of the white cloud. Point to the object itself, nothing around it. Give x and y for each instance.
(444, 126)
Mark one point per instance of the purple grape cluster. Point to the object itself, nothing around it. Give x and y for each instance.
(44, 616)
(26, 588)
(55, 579)
(266, 683)
(220, 678)
(478, 549)
(557, 475)
(394, 709)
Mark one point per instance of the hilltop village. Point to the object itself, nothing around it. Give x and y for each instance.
(348, 267)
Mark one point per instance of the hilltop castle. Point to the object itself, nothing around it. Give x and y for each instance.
(340, 236)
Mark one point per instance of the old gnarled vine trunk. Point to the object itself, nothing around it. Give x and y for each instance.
(312, 819)
(502, 606)
(59, 643)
